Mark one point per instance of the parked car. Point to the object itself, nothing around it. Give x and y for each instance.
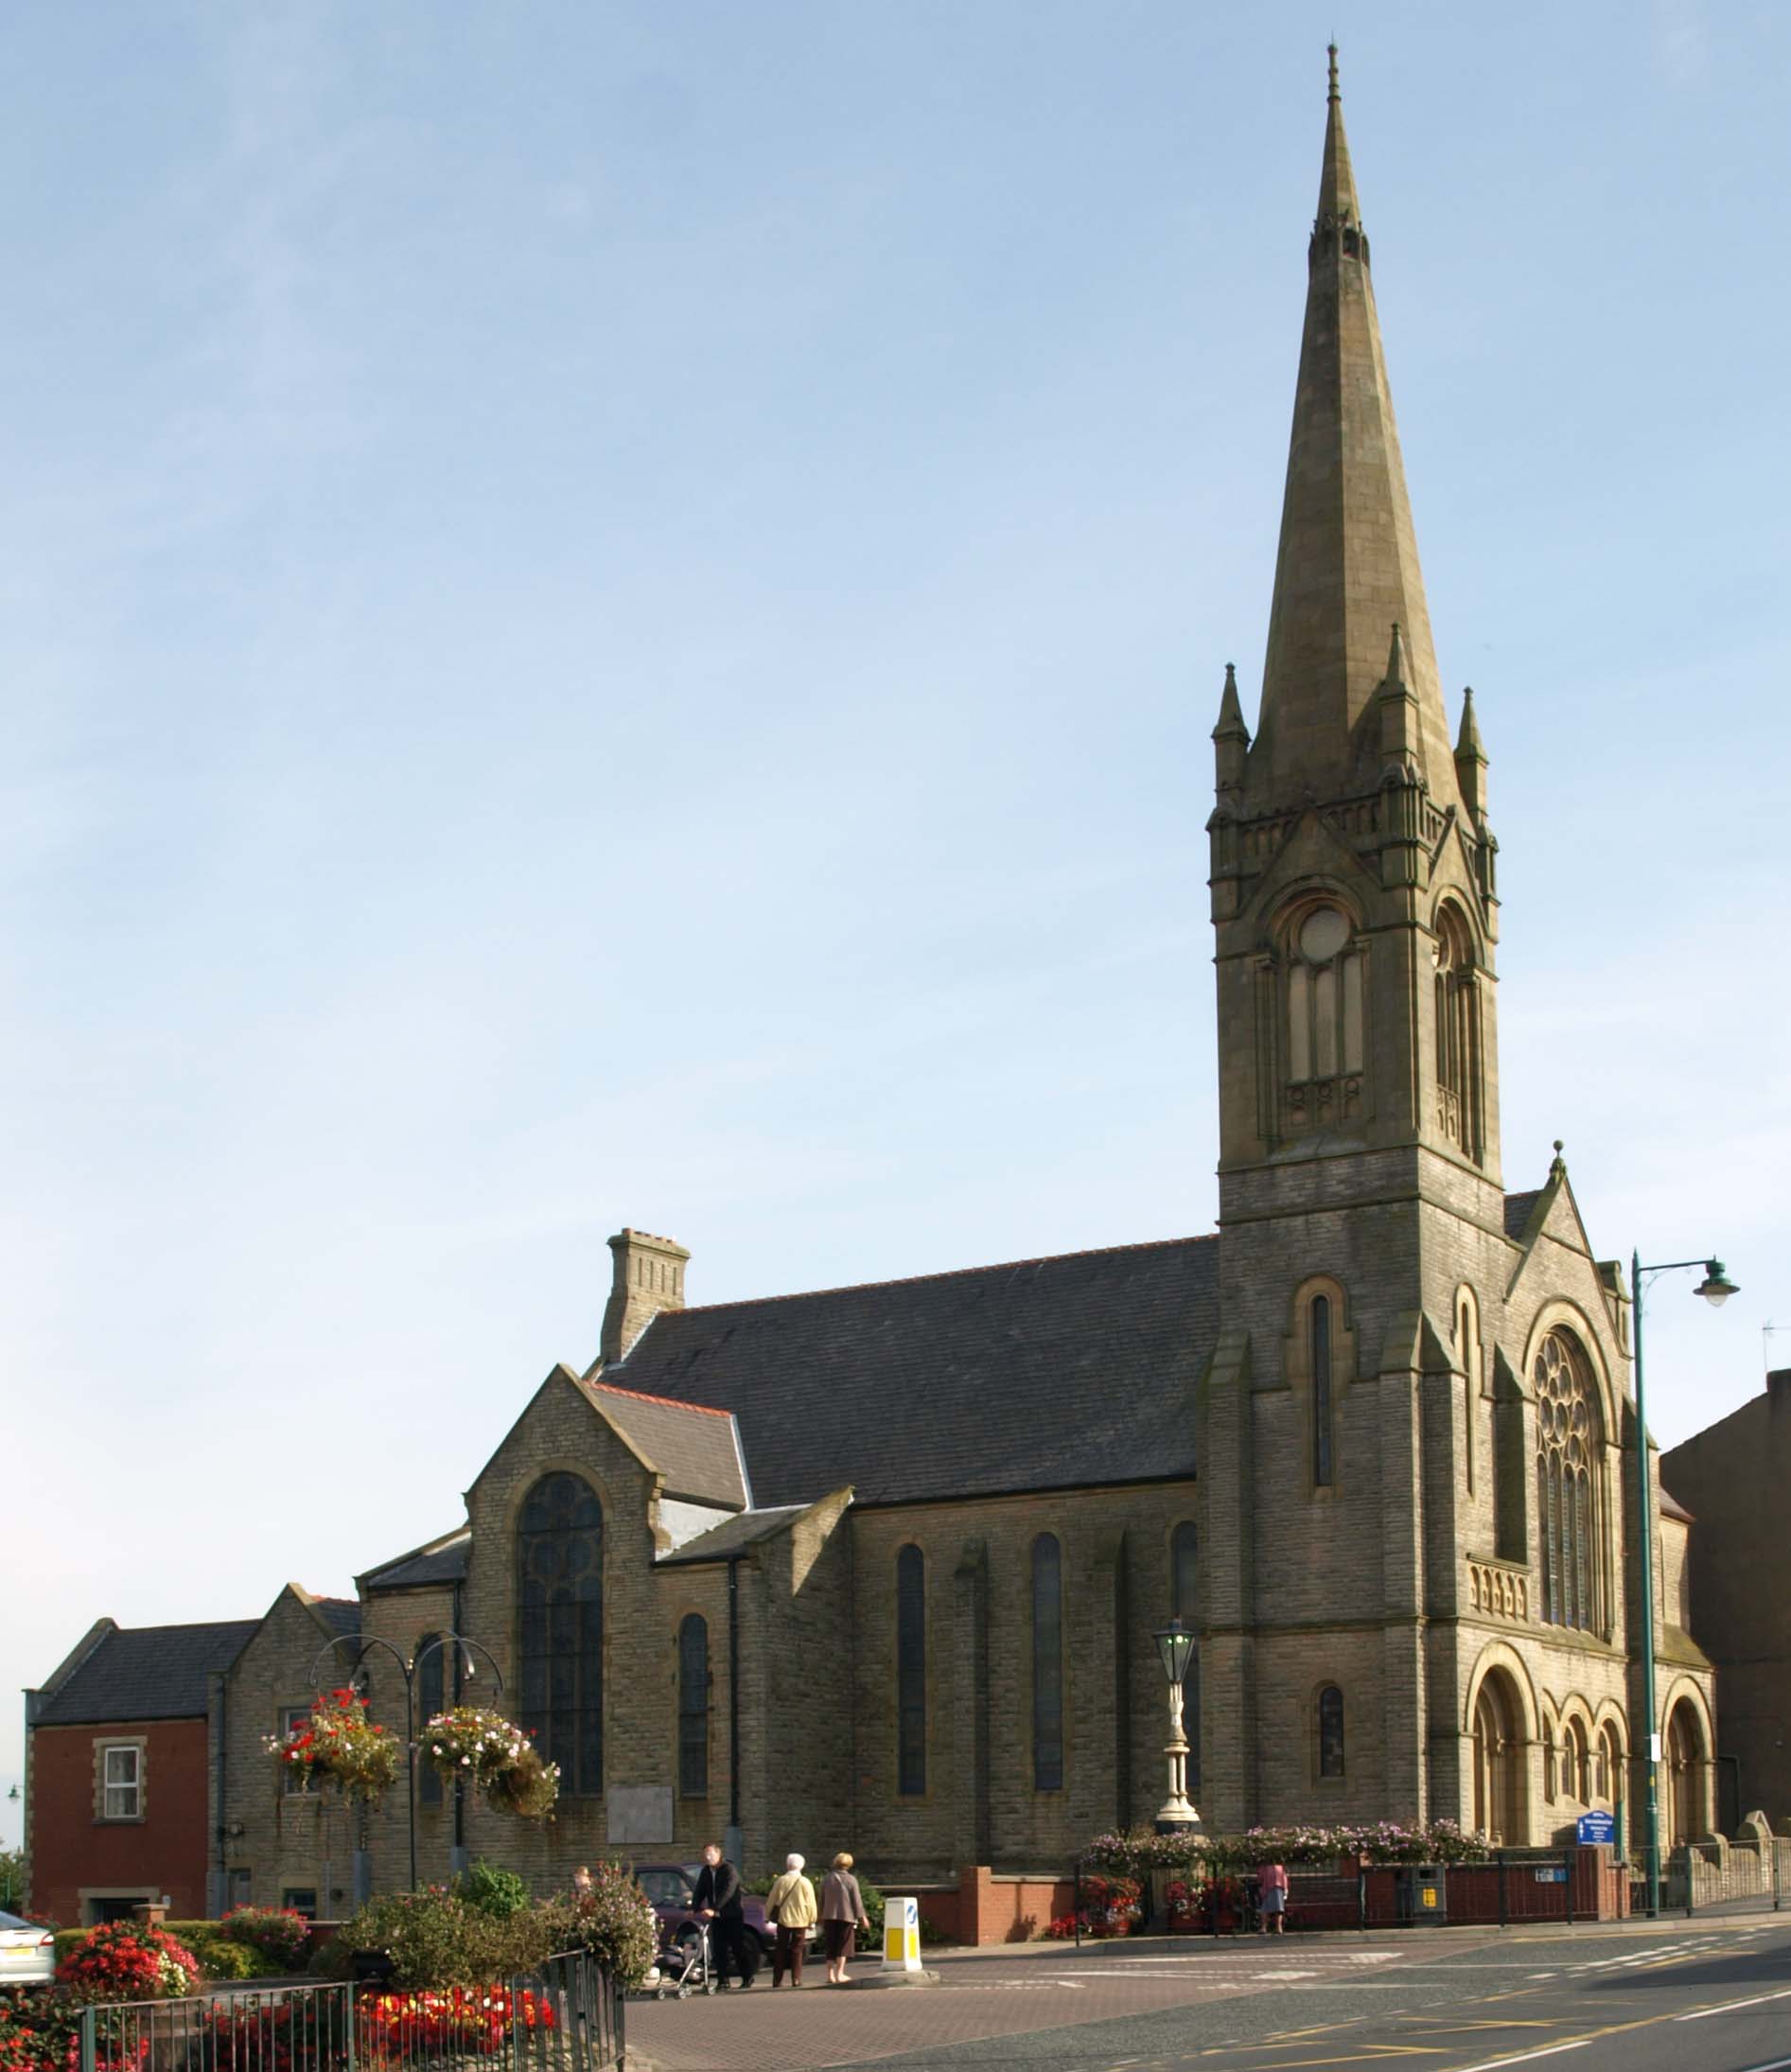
(670, 1887)
(27, 1953)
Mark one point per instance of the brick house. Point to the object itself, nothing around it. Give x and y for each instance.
(120, 1750)
(879, 1567)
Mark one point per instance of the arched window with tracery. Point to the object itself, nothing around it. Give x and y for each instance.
(1324, 1017)
(1458, 1043)
(1569, 1478)
(1185, 1549)
(560, 1628)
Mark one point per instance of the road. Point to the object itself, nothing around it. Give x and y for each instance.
(1649, 1997)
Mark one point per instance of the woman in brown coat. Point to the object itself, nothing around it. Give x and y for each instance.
(842, 1915)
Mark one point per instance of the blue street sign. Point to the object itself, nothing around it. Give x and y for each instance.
(1598, 1827)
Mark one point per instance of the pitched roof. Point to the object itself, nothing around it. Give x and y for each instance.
(1518, 1209)
(343, 1613)
(1037, 1375)
(440, 1561)
(148, 1673)
(1671, 1508)
(692, 1444)
(734, 1535)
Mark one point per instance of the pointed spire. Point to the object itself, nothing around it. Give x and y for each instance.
(1396, 662)
(1231, 738)
(1470, 762)
(1337, 181)
(1231, 712)
(1400, 748)
(1347, 567)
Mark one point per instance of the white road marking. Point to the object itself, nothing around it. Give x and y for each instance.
(1734, 2007)
(1528, 2057)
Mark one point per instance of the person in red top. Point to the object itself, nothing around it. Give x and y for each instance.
(1272, 1883)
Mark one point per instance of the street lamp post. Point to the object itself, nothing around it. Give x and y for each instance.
(1715, 1287)
(1175, 1645)
(407, 1669)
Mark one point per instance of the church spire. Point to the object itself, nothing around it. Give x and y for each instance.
(1348, 568)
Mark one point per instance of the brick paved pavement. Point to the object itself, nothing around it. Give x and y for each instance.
(983, 1994)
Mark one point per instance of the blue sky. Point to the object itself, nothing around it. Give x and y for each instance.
(611, 613)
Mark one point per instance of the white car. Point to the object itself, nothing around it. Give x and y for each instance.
(27, 1953)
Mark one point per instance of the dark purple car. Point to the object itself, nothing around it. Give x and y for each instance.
(669, 1886)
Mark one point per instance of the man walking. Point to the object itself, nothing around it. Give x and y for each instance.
(717, 1901)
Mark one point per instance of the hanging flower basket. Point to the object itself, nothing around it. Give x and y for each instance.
(339, 1741)
(482, 1749)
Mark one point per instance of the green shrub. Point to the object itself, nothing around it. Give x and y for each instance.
(221, 1959)
(491, 1890)
(67, 1939)
(434, 1938)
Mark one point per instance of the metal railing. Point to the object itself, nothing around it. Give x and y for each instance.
(567, 2017)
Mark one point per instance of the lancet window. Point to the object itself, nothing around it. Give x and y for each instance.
(910, 1672)
(1569, 1485)
(1458, 1040)
(560, 1627)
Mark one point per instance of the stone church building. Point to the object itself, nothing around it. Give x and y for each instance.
(878, 1568)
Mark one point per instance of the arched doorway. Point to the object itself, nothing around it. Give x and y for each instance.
(1686, 1768)
(1497, 1751)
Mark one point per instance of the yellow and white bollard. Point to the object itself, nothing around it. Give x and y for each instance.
(901, 1935)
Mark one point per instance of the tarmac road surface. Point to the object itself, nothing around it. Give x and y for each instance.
(1677, 1997)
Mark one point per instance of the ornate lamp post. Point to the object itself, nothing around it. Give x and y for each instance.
(1715, 1287)
(407, 1668)
(1175, 1645)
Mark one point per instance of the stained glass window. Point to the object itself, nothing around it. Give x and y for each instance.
(560, 1650)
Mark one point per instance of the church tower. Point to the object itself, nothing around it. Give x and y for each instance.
(1353, 901)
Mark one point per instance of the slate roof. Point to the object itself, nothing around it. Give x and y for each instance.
(1038, 1375)
(692, 1443)
(734, 1535)
(1671, 1508)
(445, 1564)
(148, 1673)
(1517, 1208)
(343, 1613)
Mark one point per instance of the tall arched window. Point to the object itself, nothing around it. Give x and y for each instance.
(1468, 1350)
(430, 1683)
(910, 1672)
(1323, 1432)
(693, 1706)
(1047, 1663)
(1324, 1017)
(560, 1628)
(1330, 1731)
(1184, 1605)
(1457, 1033)
(1569, 1473)
(1576, 1777)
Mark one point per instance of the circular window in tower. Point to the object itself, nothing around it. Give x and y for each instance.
(1323, 933)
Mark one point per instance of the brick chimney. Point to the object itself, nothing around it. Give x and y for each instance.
(649, 1277)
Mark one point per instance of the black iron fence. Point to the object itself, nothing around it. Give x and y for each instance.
(567, 2017)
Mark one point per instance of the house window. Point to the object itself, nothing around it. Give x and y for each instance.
(242, 1884)
(432, 1673)
(1184, 1605)
(560, 1628)
(121, 1783)
(1330, 1731)
(1047, 1663)
(294, 1778)
(1322, 1432)
(1570, 1435)
(301, 1899)
(693, 1706)
(911, 1672)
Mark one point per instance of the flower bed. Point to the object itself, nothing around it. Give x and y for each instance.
(1201, 1858)
(123, 1960)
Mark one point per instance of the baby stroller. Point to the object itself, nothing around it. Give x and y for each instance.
(686, 1961)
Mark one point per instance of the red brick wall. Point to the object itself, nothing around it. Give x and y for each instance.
(163, 1852)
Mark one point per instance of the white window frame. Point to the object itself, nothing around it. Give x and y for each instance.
(114, 1789)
